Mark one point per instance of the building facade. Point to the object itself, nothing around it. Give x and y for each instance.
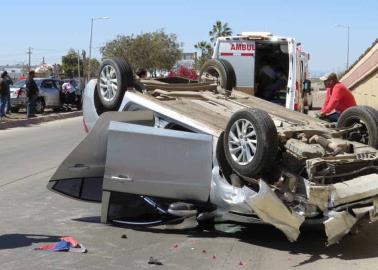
(362, 77)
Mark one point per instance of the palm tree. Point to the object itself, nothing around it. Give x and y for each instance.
(206, 50)
(219, 30)
(204, 47)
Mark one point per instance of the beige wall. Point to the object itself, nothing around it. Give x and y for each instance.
(366, 92)
(362, 78)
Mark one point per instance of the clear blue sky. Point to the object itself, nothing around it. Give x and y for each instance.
(53, 27)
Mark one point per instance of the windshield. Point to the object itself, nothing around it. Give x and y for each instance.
(20, 83)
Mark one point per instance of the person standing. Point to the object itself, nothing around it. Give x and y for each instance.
(9, 81)
(338, 98)
(31, 94)
(4, 91)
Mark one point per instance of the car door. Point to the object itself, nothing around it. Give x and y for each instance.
(80, 175)
(50, 92)
(292, 76)
(158, 162)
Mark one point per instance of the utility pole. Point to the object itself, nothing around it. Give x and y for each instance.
(29, 53)
(90, 44)
(347, 27)
(348, 48)
(78, 67)
(90, 52)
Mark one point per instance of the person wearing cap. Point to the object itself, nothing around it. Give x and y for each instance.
(31, 93)
(338, 98)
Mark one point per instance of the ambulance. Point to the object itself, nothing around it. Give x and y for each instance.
(238, 61)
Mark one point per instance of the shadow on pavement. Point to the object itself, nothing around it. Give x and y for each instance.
(94, 219)
(10, 241)
(24, 122)
(311, 242)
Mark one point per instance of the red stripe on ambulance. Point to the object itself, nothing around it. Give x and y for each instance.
(236, 54)
(226, 54)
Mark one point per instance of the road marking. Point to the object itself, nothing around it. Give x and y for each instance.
(27, 176)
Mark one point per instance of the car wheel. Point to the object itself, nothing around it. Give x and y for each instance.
(14, 109)
(224, 165)
(218, 71)
(39, 106)
(113, 79)
(368, 118)
(251, 142)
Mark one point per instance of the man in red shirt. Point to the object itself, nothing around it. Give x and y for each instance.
(338, 98)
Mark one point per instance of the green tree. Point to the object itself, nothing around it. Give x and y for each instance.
(206, 51)
(219, 30)
(95, 65)
(152, 51)
(69, 64)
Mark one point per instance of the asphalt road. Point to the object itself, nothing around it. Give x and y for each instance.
(32, 216)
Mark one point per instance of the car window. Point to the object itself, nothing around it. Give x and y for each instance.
(48, 84)
(134, 107)
(21, 83)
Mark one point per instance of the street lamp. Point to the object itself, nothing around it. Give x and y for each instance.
(90, 43)
(348, 30)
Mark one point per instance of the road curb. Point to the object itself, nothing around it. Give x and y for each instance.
(39, 120)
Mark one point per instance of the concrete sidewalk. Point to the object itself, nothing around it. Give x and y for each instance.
(22, 122)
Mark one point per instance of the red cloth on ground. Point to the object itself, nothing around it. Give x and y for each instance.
(70, 240)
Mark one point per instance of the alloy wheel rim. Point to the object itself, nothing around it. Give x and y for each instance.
(38, 106)
(242, 142)
(108, 83)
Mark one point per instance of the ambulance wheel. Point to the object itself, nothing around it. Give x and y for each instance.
(251, 142)
(367, 117)
(218, 71)
(115, 76)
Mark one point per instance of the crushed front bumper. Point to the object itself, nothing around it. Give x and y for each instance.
(344, 205)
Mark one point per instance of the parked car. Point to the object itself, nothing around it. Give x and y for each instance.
(50, 95)
(178, 151)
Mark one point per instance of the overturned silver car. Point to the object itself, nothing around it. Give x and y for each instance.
(160, 152)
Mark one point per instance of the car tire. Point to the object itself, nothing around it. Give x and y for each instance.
(365, 115)
(219, 69)
(224, 165)
(115, 73)
(14, 109)
(39, 106)
(258, 140)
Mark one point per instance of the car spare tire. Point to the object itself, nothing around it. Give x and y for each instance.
(115, 76)
(368, 118)
(251, 142)
(219, 71)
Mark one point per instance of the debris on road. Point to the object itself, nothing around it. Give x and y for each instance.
(152, 260)
(124, 236)
(66, 243)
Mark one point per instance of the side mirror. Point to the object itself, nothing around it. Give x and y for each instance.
(307, 86)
